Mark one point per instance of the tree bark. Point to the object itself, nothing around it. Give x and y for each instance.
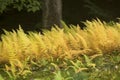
(52, 13)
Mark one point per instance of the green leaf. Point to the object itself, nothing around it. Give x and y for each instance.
(1, 78)
(58, 76)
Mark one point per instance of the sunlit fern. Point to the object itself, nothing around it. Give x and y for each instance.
(69, 42)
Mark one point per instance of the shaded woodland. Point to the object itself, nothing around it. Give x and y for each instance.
(73, 12)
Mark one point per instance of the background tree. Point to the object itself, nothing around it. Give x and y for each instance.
(52, 9)
(52, 13)
(28, 13)
(28, 5)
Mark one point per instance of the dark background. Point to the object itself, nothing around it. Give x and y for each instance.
(73, 13)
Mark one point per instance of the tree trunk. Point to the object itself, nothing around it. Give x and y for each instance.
(52, 13)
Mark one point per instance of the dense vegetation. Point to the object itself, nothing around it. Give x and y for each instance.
(28, 5)
(67, 53)
(70, 53)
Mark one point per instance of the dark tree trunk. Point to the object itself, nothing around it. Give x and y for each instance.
(52, 13)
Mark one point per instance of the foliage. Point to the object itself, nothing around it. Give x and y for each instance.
(71, 47)
(95, 9)
(1, 78)
(29, 5)
(106, 68)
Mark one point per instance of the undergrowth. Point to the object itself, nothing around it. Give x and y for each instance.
(57, 49)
